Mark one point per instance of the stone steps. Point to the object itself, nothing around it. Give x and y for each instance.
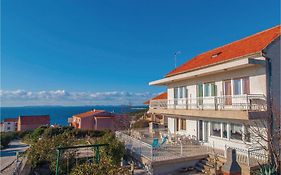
(207, 166)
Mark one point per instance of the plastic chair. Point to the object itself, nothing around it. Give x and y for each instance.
(155, 143)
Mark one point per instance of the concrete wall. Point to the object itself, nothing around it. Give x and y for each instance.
(171, 124)
(174, 165)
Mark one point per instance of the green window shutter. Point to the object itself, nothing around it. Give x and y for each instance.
(200, 90)
(213, 89)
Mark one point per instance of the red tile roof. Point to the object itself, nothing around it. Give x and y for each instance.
(11, 120)
(246, 46)
(93, 113)
(35, 120)
(161, 96)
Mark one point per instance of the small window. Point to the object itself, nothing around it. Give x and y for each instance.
(176, 92)
(216, 54)
(224, 130)
(237, 87)
(246, 85)
(216, 129)
(236, 131)
(207, 90)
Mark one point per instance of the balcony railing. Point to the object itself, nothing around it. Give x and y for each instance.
(253, 102)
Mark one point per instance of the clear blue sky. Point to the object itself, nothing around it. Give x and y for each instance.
(115, 46)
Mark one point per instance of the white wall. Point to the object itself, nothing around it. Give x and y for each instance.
(257, 77)
(8, 126)
(171, 124)
(191, 127)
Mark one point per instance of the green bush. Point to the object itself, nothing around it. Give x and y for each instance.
(116, 149)
(6, 138)
(99, 169)
(45, 150)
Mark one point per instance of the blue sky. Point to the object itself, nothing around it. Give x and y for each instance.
(69, 47)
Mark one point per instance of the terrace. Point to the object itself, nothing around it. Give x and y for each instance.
(141, 144)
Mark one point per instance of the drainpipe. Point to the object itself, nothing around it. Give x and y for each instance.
(269, 101)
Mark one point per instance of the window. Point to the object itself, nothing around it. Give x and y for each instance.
(241, 86)
(247, 134)
(224, 130)
(180, 92)
(216, 129)
(183, 124)
(246, 85)
(8, 128)
(176, 92)
(236, 131)
(237, 87)
(207, 90)
(210, 89)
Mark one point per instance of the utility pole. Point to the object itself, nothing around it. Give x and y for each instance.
(175, 57)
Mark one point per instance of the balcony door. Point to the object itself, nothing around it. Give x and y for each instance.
(200, 94)
(227, 92)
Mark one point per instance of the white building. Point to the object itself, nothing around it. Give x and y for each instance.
(9, 124)
(217, 96)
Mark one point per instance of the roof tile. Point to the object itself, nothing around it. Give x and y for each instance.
(246, 46)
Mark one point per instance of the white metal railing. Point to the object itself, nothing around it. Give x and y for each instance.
(252, 102)
(166, 151)
(249, 156)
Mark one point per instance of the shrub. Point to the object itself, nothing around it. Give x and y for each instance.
(116, 149)
(6, 138)
(99, 169)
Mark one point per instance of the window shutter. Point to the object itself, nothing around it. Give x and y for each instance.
(213, 89)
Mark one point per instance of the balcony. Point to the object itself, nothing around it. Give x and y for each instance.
(244, 106)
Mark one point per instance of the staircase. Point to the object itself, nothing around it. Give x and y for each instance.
(207, 166)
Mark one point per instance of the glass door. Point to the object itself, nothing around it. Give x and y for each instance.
(200, 94)
(227, 92)
(200, 130)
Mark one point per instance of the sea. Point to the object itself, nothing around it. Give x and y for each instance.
(60, 114)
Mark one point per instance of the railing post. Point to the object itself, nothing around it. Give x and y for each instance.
(181, 148)
(215, 102)
(248, 102)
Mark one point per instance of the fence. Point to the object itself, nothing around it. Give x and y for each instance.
(250, 156)
(164, 152)
(255, 102)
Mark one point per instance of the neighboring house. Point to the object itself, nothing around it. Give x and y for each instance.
(9, 124)
(98, 120)
(157, 118)
(32, 122)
